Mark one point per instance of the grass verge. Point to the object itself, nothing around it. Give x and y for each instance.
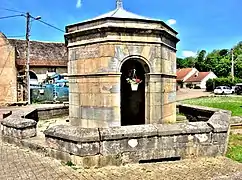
(233, 104)
(234, 151)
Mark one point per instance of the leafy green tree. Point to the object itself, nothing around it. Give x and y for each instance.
(190, 62)
(200, 61)
(180, 63)
(218, 61)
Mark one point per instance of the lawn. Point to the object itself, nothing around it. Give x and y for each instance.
(233, 104)
(235, 148)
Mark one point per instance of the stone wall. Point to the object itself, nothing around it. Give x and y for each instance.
(95, 82)
(45, 113)
(94, 101)
(99, 48)
(122, 145)
(133, 144)
(8, 80)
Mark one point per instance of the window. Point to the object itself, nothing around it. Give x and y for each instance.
(53, 69)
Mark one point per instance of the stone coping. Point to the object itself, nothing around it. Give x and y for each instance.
(78, 134)
(18, 123)
(73, 133)
(31, 113)
(54, 107)
(202, 108)
(219, 122)
(236, 120)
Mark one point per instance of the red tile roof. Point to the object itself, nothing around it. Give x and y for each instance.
(200, 76)
(181, 73)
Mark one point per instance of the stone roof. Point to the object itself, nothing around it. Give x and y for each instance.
(117, 18)
(121, 13)
(41, 53)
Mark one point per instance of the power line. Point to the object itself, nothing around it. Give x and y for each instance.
(51, 26)
(15, 36)
(11, 10)
(5, 17)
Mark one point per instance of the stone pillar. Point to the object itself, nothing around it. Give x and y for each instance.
(154, 98)
(169, 101)
(168, 59)
(160, 99)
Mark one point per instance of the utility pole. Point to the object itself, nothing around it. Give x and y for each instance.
(232, 66)
(27, 54)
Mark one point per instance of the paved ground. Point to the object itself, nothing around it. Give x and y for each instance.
(16, 164)
(191, 93)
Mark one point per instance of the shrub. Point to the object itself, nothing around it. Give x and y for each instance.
(189, 86)
(197, 87)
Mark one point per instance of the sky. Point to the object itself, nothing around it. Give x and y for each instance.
(201, 24)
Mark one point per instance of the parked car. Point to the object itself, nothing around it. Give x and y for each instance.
(223, 90)
(238, 88)
(234, 88)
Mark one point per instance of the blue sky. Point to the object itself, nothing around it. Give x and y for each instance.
(202, 24)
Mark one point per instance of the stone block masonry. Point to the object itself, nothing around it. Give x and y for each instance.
(98, 52)
(207, 136)
(8, 80)
(133, 144)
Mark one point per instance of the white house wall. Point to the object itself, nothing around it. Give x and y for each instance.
(193, 71)
(211, 75)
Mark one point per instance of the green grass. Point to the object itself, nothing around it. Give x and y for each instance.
(235, 148)
(233, 104)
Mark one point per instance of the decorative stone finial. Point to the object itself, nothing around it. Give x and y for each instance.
(119, 4)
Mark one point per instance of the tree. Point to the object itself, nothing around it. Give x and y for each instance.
(189, 62)
(200, 61)
(180, 63)
(218, 61)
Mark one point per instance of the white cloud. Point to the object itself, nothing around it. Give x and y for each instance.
(189, 54)
(171, 22)
(78, 3)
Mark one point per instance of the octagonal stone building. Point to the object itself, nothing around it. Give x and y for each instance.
(107, 50)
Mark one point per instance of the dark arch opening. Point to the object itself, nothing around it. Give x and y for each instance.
(133, 102)
(33, 78)
(32, 75)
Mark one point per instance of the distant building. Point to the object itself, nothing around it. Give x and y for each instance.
(45, 58)
(191, 78)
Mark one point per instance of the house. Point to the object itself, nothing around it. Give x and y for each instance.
(45, 58)
(199, 79)
(191, 78)
(183, 74)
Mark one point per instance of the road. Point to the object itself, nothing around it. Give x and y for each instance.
(183, 94)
